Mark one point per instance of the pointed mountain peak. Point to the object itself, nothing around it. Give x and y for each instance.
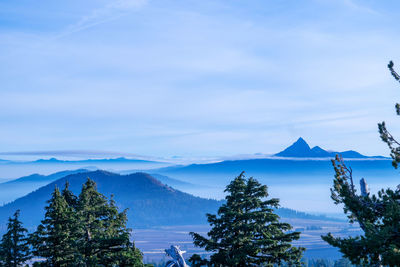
(300, 147)
(301, 142)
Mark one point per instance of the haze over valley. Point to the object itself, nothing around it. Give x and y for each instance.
(299, 175)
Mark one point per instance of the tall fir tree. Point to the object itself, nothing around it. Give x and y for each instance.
(103, 235)
(84, 231)
(69, 196)
(385, 135)
(55, 238)
(14, 248)
(378, 215)
(246, 231)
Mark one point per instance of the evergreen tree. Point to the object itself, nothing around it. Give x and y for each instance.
(130, 256)
(386, 137)
(378, 215)
(69, 197)
(14, 248)
(246, 231)
(84, 231)
(103, 235)
(55, 238)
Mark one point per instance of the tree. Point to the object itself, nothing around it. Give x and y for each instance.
(84, 231)
(378, 215)
(103, 235)
(385, 135)
(55, 238)
(69, 196)
(246, 231)
(14, 248)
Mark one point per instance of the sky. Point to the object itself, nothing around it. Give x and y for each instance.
(196, 78)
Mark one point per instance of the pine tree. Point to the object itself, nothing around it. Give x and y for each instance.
(246, 231)
(103, 235)
(378, 215)
(54, 238)
(14, 248)
(84, 231)
(69, 197)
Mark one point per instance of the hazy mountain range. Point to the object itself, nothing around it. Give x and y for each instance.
(86, 161)
(299, 175)
(300, 149)
(150, 202)
(274, 170)
(14, 189)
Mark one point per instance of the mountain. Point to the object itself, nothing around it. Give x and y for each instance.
(149, 201)
(279, 171)
(300, 149)
(14, 189)
(300, 183)
(84, 161)
(275, 170)
(42, 178)
(113, 160)
(175, 183)
(172, 182)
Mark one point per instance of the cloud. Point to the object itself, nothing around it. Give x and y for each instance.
(197, 79)
(360, 7)
(112, 11)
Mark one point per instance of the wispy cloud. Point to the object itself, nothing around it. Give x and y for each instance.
(360, 7)
(112, 11)
(196, 78)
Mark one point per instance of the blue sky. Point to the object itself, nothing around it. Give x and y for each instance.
(196, 78)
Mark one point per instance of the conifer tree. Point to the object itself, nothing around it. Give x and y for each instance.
(14, 248)
(378, 215)
(246, 231)
(69, 196)
(55, 238)
(84, 231)
(102, 231)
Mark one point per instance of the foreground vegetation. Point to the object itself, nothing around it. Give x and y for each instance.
(88, 230)
(84, 230)
(246, 231)
(377, 215)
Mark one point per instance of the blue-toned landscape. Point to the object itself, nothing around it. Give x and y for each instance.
(199, 133)
(166, 203)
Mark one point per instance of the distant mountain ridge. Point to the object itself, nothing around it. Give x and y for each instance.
(149, 202)
(43, 178)
(16, 188)
(300, 149)
(111, 160)
(100, 160)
